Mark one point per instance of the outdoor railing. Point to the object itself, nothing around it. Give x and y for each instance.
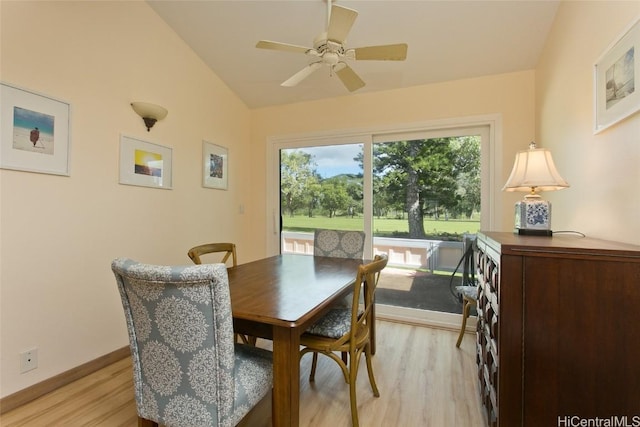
(429, 255)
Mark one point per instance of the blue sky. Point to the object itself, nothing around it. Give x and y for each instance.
(334, 160)
(31, 119)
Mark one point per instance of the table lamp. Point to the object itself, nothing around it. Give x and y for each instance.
(534, 171)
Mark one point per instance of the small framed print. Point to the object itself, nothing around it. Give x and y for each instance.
(34, 132)
(145, 164)
(215, 166)
(617, 73)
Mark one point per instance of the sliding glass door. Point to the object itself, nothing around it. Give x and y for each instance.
(415, 194)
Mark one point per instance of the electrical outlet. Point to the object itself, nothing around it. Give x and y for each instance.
(28, 360)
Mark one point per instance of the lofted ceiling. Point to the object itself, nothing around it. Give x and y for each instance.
(448, 40)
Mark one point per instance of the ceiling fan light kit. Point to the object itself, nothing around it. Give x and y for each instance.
(329, 49)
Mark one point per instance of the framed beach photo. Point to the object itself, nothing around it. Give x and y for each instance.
(617, 79)
(145, 164)
(215, 167)
(34, 132)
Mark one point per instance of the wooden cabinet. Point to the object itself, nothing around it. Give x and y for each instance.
(558, 337)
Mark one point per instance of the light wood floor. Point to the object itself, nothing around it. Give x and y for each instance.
(423, 380)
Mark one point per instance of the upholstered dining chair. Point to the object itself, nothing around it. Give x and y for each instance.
(229, 252)
(348, 330)
(187, 370)
(338, 243)
(341, 244)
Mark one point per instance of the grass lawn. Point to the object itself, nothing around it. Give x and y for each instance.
(381, 226)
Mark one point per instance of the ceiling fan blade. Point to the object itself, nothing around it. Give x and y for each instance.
(348, 77)
(340, 23)
(266, 44)
(302, 74)
(389, 52)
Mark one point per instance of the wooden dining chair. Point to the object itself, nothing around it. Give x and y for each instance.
(469, 300)
(229, 251)
(348, 330)
(468, 289)
(343, 244)
(186, 369)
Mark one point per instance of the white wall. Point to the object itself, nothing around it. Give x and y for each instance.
(604, 169)
(59, 234)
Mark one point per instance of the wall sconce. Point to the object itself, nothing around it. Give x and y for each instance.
(150, 113)
(534, 171)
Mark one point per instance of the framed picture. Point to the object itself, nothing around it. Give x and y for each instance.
(215, 166)
(34, 132)
(617, 77)
(144, 163)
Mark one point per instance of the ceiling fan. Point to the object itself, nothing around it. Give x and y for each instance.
(329, 49)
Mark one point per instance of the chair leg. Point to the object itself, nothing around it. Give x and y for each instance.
(372, 380)
(244, 339)
(312, 375)
(465, 313)
(353, 373)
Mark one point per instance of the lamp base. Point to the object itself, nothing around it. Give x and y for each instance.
(533, 216)
(525, 232)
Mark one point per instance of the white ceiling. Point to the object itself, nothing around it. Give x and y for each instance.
(448, 40)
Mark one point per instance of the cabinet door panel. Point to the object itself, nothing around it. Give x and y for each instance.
(581, 343)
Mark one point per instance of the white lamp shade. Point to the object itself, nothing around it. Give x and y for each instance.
(534, 170)
(150, 111)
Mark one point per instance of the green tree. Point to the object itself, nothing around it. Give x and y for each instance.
(313, 197)
(468, 166)
(355, 192)
(297, 175)
(423, 171)
(353, 186)
(335, 196)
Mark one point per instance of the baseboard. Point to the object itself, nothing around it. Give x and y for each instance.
(432, 319)
(395, 314)
(28, 394)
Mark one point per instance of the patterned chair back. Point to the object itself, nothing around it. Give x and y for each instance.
(181, 337)
(338, 243)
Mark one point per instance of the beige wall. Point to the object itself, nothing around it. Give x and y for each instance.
(512, 96)
(59, 234)
(604, 169)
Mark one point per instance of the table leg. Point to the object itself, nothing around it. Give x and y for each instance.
(286, 377)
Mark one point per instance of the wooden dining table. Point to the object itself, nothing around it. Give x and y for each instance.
(278, 298)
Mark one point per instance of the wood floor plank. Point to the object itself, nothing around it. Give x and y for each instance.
(424, 381)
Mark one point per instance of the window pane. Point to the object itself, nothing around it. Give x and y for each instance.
(426, 198)
(320, 187)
